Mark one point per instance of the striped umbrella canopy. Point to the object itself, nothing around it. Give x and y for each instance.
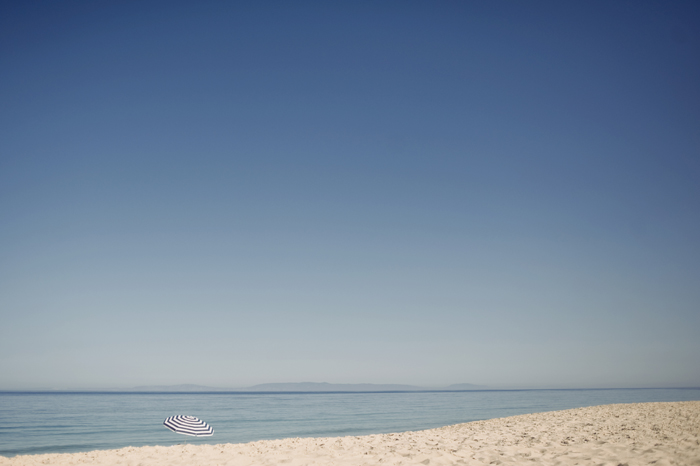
(188, 425)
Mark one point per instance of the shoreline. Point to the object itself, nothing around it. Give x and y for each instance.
(662, 433)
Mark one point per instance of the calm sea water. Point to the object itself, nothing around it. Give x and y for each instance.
(33, 423)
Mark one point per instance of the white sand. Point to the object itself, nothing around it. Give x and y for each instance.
(623, 434)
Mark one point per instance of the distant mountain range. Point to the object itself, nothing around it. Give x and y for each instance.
(307, 387)
(176, 388)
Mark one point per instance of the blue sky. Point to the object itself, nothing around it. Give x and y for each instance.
(231, 193)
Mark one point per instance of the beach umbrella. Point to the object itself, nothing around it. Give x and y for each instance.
(188, 425)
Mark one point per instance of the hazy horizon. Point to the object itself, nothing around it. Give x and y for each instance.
(422, 193)
(198, 387)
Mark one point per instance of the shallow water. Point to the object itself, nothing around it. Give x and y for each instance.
(33, 423)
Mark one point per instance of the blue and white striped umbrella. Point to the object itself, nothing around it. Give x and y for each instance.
(188, 425)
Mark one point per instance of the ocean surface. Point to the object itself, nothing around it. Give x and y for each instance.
(60, 422)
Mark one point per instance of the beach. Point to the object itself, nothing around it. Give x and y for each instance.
(619, 434)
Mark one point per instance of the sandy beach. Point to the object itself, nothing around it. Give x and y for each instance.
(621, 434)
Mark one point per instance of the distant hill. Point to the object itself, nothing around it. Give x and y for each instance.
(331, 387)
(354, 387)
(306, 387)
(178, 388)
(465, 386)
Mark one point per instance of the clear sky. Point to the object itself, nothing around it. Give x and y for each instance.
(231, 193)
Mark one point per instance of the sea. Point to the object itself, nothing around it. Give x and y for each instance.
(67, 422)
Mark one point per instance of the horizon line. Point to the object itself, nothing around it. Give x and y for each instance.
(313, 392)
